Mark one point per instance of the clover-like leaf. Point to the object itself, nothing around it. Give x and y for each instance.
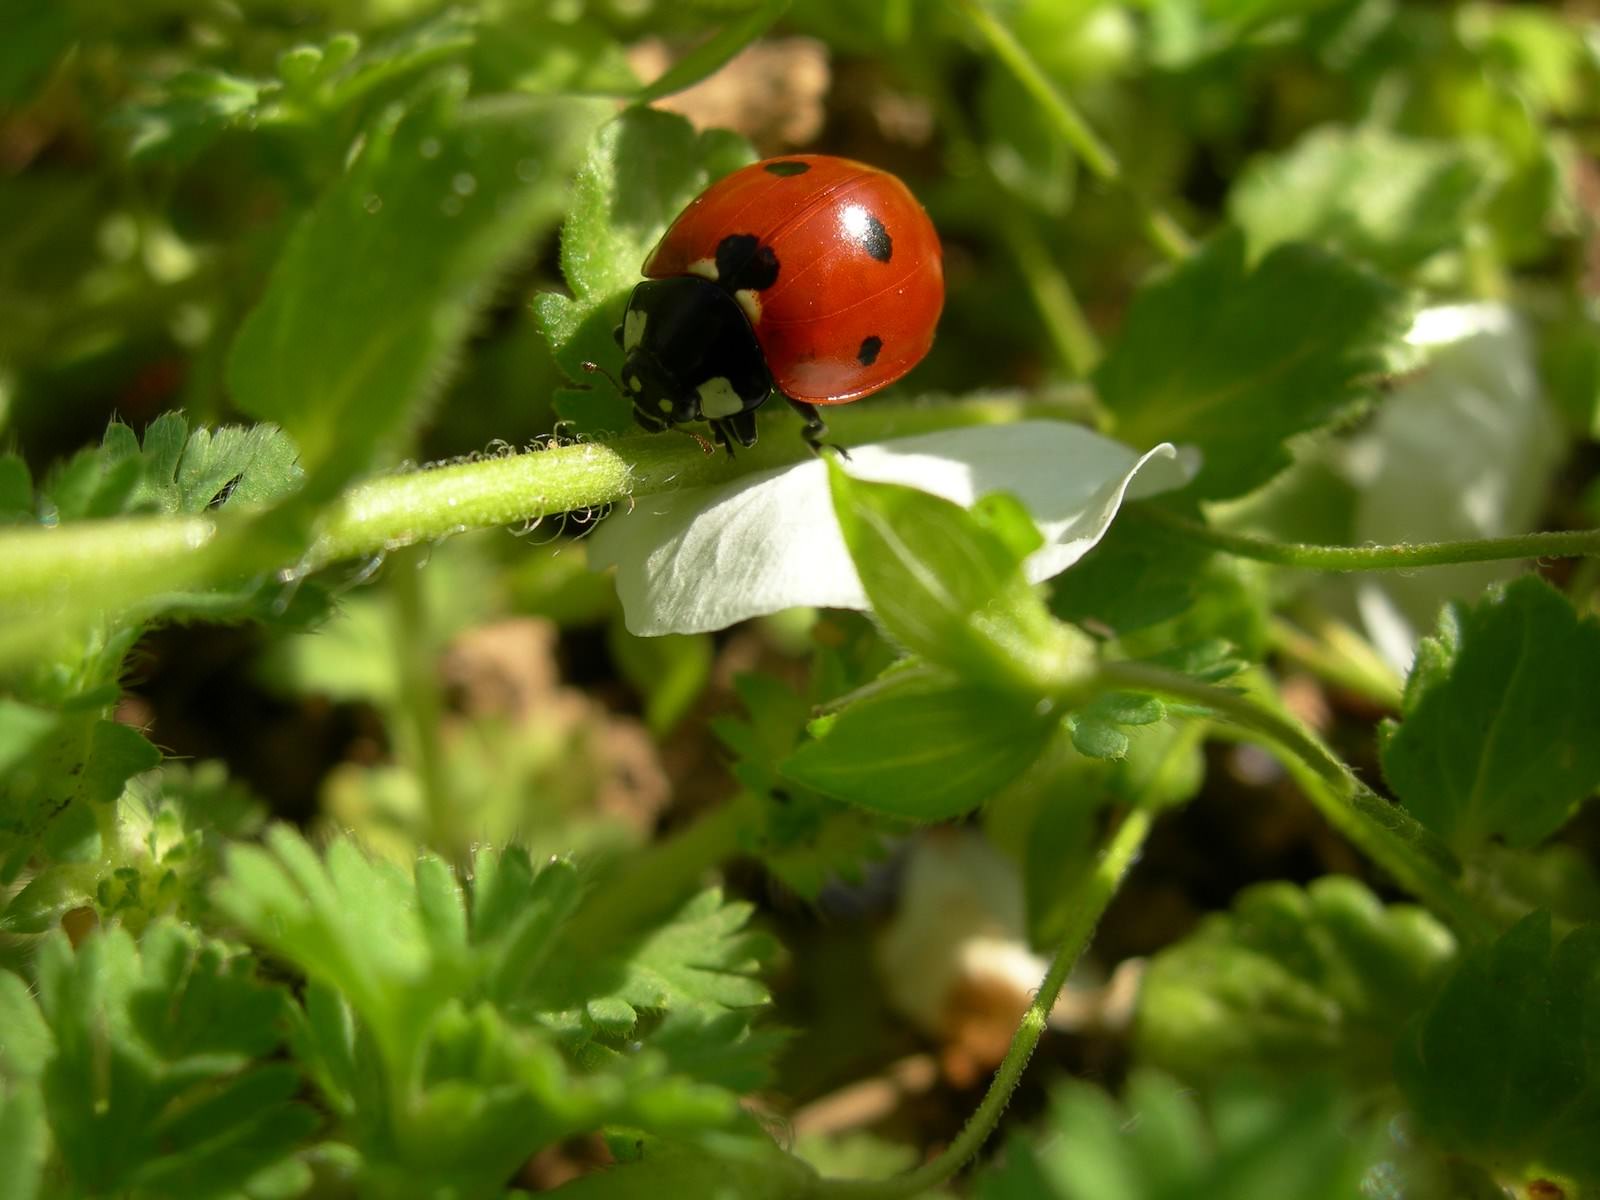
(700, 559)
(1237, 359)
(1497, 738)
(1291, 980)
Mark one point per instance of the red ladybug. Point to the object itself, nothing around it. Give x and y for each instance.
(817, 276)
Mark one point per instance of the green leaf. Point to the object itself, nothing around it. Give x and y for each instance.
(154, 1083)
(1162, 1144)
(924, 749)
(1504, 1066)
(1292, 981)
(1389, 200)
(380, 283)
(1236, 360)
(37, 32)
(16, 491)
(24, 1140)
(805, 838)
(715, 51)
(951, 589)
(1497, 738)
(59, 776)
(750, 1168)
(641, 171)
(315, 83)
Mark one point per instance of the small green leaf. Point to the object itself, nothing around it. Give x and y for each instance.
(1504, 1066)
(1497, 738)
(950, 589)
(1162, 1144)
(1389, 200)
(1292, 980)
(380, 283)
(1236, 360)
(713, 53)
(924, 750)
(643, 168)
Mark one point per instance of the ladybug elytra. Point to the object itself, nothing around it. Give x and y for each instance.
(818, 277)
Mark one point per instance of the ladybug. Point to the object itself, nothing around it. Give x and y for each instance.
(816, 276)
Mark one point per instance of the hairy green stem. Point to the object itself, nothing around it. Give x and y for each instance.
(1382, 831)
(56, 579)
(1089, 902)
(1160, 228)
(1574, 543)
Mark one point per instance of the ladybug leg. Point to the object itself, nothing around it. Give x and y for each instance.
(740, 427)
(815, 428)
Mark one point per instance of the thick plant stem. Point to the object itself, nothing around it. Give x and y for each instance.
(1576, 543)
(55, 581)
(1384, 832)
(1088, 905)
(420, 703)
(1160, 228)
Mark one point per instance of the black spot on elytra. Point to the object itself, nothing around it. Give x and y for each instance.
(868, 354)
(743, 262)
(875, 240)
(787, 168)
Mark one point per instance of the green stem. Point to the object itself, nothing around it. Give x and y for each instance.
(56, 579)
(420, 702)
(1336, 654)
(1384, 832)
(1069, 330)
(1087, 906)
(1574, 543)
(1159, 227)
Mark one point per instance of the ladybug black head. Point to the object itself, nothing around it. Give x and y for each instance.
(689, 354)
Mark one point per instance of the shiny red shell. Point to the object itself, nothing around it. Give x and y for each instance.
(859, 274)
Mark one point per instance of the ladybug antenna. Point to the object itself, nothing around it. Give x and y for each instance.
(594, 368)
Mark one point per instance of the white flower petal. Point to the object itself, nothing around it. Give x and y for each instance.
(705, 558)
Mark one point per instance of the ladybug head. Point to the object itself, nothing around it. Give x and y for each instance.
(689, 354)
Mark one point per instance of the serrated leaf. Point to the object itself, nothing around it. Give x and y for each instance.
(642, 169)
(1390, 200)
(1236, 360)
(950, 590)
(379, 284)
(1504, 1066)
(1161, 1143)
(1497, 738)
(698, 559)
(750, 1168)
(1292, 980)
(924, 749)
(153, 1082)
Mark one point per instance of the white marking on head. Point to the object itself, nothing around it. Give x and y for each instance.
(635, 384)
(718, 399)
(633, 328)
(664, 405)
(706, 268)
(751, 303)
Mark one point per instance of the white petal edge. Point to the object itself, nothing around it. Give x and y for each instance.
(701, 559)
